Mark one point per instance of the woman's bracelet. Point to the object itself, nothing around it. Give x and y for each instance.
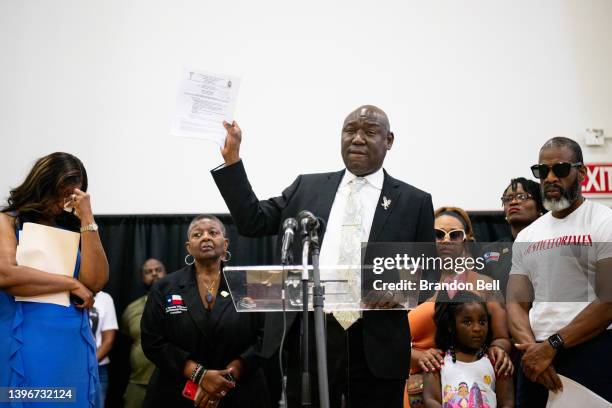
(194, 371)
(197, 373)
(200, 379)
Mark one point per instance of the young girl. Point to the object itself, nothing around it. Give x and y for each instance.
(467, 378)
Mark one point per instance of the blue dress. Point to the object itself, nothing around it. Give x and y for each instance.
(7, 315)
(46, 345)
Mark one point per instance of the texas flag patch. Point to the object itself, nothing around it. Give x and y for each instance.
(491, 257)
(174, 300)
(175, 305)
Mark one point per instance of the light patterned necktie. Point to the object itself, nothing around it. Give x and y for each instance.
(353, 233)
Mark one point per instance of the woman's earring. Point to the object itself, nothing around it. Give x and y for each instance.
(187, 262)
(227, 256)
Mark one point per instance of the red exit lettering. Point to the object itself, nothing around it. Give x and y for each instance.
(598, 181)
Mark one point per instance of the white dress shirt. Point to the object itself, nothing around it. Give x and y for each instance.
(370, 195)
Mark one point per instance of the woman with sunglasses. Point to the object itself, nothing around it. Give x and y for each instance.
(454, 232)
(522, 204)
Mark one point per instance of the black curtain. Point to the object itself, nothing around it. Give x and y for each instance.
(131, 239)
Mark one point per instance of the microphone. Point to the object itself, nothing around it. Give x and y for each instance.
(307, 221)
(311, 226)
(289, 226)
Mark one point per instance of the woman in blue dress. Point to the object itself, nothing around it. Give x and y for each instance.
(43, 345)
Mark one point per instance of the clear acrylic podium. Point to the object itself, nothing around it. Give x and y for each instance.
(276, 288)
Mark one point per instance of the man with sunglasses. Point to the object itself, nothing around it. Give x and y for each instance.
(559, 302)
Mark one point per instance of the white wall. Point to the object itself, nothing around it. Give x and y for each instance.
(472, 90)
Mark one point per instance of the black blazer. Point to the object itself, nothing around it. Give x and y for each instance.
(409, 218)
(498, 267)
(175, 327)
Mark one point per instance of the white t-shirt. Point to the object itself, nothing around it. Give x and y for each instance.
(102, 317)
(468, 384)
(559, 257)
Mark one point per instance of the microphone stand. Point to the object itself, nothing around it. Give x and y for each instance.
(310, 242)
(319, 322)
(306, 402)
(286, 260)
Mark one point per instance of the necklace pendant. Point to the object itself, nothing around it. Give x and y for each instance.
(209, 297)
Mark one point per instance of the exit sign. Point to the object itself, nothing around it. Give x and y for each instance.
(598, 182)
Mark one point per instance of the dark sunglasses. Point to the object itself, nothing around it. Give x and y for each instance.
(560, 169)
(457, 235)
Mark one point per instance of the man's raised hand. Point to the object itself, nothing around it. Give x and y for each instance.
(231, 150)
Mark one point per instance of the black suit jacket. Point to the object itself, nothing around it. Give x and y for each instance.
(498, 267)
(409, 218)
(174, 333)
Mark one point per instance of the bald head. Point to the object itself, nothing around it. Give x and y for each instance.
(370, 112)
(366, 137)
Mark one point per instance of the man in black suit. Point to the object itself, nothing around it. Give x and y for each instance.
(374, 351)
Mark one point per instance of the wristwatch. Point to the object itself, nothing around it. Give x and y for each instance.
(93, 227)
(556, 341)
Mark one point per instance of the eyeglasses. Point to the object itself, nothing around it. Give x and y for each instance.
(457, 235)
(560, 169)
(520, 198)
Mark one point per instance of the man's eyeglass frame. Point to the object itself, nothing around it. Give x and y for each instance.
(561, 169)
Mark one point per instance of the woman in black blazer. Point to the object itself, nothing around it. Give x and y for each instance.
(190, 330)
